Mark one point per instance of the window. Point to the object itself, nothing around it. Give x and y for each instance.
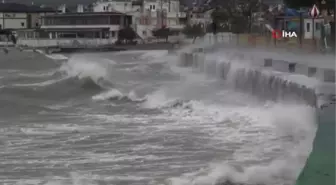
(37, 24)
(0, 26)
(308, 27)
(22, 24)
(291, 67)
(153, 7)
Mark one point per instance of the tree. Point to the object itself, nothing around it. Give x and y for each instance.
(237, 13)
(162, 33)
(299, 4)
(194, 31)
(126, 34)
(217, 27)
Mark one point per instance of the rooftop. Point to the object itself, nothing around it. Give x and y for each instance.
(15, 7)
(72, 14)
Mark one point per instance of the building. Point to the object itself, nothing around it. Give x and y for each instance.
(155, 14)
(102, 21)
(85, 24)
(147, 14)
(19, 16)
(125, 6)
(76, 30)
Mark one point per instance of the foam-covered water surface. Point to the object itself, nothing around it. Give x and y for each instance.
(137, 118)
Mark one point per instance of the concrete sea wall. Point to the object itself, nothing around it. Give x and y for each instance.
(266, 77)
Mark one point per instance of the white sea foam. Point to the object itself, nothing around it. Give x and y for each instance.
(79, 178)
(57, 57)
(285, 168)
(255, 127)
(116, 94)
(83, 66)
(38, 74)
(154, 54)
(193, 106)
(41, 84)
(110, 94)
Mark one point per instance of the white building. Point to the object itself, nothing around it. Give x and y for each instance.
(101, 25)
(147, 14)
(115, 5)
(19, 16)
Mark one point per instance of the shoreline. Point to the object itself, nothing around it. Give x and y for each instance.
(103, 48)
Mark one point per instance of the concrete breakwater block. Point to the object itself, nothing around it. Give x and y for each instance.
(198, 50)
(199, 60)
(270, 87)
(211, 68)
(201, 63)
(325, 75)
(219, 70)
(194, 60)
(223, 70)
(185, 60)
(329, 75)
(189, 59)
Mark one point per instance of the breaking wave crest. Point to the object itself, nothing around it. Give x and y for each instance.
(245, 168)
(269, 143)
(114, 94)
(280, 95)
(90, 73)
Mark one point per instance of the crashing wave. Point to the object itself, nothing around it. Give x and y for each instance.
(184, 104)
(88, 83)
(116, 95)
(90, 74)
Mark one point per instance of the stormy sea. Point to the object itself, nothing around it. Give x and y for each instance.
(138, 118)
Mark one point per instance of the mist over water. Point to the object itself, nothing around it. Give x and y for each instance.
(138, 118)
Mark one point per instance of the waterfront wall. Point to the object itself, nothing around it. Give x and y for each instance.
(266, 77)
